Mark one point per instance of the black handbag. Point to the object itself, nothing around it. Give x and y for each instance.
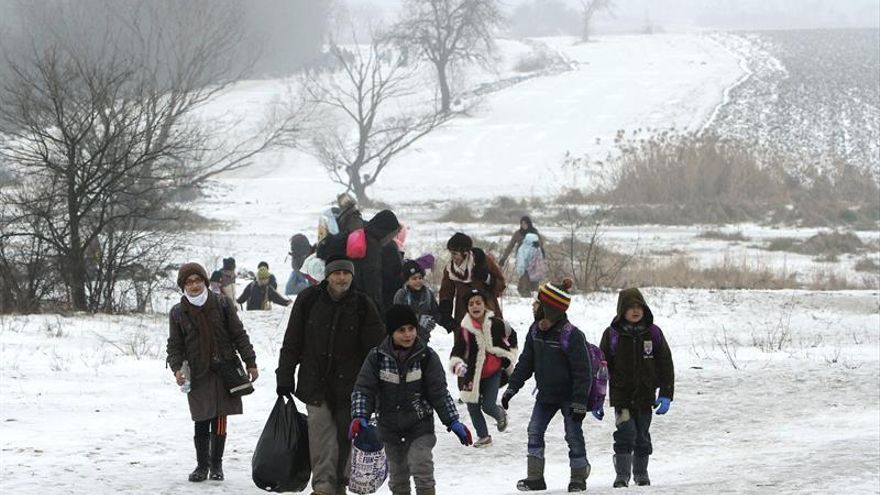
(235, 380)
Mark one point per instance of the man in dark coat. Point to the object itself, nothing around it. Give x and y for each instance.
(639, 363)
(331, 329)
(204, 329)
(368, 278)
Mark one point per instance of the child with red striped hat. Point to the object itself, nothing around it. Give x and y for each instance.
(555, 351)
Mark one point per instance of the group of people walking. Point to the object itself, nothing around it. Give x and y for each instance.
(352, 351)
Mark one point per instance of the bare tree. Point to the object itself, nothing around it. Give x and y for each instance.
(370, 93)
(589, 8)
(446, 33)
(103, 127)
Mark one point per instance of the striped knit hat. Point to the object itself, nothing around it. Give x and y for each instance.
(556, 296)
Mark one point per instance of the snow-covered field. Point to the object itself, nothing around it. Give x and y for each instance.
(88, 407)
(777, 392)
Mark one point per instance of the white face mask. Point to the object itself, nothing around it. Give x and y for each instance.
(198, 300)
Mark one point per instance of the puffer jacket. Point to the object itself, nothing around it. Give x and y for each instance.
(405, 394)
(562, 370)
(328, 340)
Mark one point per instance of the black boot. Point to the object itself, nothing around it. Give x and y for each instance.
(200, 473)
(218, 443)
(640, 470)
(578, 482)
(623, 468)
(534, 480)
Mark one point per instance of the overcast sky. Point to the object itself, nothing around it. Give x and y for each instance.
(722, 14)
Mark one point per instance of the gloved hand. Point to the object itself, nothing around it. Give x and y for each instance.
(599, 413)
(578, 411)
(426, 322)
(462, 432)
(505, 399)
(285, 389)
(460, 369)
(357, 424)
(662, 404)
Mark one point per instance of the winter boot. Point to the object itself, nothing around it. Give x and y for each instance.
(218, 443)
(203, 444)
(578, 482)
(640, 470)
(623, 467)
(502, 421)
(426, 491)
(534, 480)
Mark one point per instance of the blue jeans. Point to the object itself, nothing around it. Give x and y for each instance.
(488, 398)
(574, 433)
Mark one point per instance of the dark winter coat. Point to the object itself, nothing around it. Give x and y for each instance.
(470, 347)
(368, 270)
(453, 294)
(258, 296)
(328, 340)
(562, 372)
(422, 302)
(188, 340)
(392, 277)
(635, 369)
(405, 394)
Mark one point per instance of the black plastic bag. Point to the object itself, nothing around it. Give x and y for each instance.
(281, 458)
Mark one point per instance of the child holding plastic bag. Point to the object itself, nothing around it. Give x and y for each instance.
(407, 380)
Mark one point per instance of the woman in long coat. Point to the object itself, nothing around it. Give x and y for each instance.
(205, 330)
(469, 268)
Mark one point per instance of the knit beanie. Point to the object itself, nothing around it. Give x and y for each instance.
(262, 273)
(629, 298)
(383, 223)
(410, 268)
(263, 263)
(459, 242)
(337, 263)
(229, 263)
(555, 298)
(189, 269)
(399, 315)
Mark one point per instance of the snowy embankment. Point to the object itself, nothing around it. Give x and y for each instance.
(88, 407)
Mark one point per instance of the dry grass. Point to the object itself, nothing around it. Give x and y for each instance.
(723, 236)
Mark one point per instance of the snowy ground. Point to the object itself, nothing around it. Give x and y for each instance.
(82, 414)
(86, 405)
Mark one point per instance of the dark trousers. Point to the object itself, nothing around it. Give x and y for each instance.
(216, 426)
(633, 435)
(574, 433)
(488, 403)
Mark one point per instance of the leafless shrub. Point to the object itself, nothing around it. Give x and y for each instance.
(723, 236)
(671, 178)
(775, 337)
(458, 213)
(53, 328)
(867, 265)
(140, 343)
(729, 347)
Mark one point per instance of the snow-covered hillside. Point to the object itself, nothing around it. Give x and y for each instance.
(88, 406)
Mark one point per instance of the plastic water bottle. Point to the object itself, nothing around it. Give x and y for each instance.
(187, 385)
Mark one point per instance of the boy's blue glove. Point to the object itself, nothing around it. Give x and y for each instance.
(599, 413)
(462, 432)
(663, 403)
(357, 425)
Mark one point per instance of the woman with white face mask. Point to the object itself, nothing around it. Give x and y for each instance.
(205, 330)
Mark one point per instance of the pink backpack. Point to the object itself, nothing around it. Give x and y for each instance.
(356, 245)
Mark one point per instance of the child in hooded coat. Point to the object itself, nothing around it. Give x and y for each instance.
(639, 362)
